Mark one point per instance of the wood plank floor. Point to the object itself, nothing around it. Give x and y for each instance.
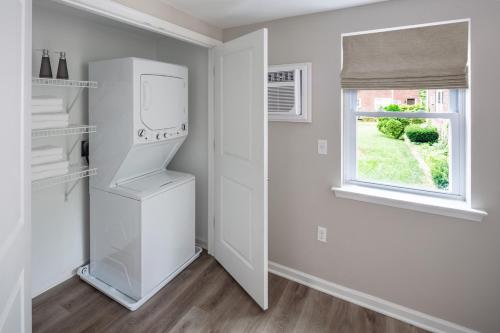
(204, 298)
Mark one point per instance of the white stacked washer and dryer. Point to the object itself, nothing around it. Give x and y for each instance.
(142, 216)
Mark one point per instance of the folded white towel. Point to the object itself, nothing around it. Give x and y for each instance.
(46, 109)
(45, 159)
(49, 124)
(46, 150)
(60, 116)
(49, 173)
(46, 100)
(62, 164)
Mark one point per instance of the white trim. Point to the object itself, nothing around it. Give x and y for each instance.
(211, 152)
(468, 127)
(121, 13)
(404, 27)
(422, 203)
(409, 115)
(377, 304)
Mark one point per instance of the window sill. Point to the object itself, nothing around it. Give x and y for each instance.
(421, 203)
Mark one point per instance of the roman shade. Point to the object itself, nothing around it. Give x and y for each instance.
(432, 57)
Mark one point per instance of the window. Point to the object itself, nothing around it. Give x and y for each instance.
(410, 133)
(408, 147)
(439, 98)
(410, 101)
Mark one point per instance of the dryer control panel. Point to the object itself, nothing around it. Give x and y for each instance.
(145, 135)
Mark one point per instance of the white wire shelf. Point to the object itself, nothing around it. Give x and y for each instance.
(75, 173)
(63, 83)
(71, 130)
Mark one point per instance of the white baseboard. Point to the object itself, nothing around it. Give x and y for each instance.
(387, 308)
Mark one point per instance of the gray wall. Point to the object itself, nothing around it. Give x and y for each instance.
(193, 155)
(60, 235)
(442, 266)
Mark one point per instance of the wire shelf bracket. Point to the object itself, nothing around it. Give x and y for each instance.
(73, 102)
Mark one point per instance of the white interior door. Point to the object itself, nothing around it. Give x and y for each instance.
(15, 92)
(240, 161)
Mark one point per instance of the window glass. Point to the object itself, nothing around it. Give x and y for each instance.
(408, 152)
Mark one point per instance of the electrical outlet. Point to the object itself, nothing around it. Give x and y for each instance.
(322, 147)
(322, 234)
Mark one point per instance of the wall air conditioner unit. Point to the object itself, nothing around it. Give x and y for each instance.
(289, 93)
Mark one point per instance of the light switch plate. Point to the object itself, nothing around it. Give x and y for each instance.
(322, 234)
(322, 147)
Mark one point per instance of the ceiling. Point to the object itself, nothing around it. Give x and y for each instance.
(231, 13)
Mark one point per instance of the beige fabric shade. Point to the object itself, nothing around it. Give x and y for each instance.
(432, 57)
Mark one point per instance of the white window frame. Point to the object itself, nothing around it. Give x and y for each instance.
(457, 131)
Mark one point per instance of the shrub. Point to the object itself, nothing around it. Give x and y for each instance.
(393, 130)
(412, 108)
(404, 121)
(381, 123)
(418, 121)
(392, 127)
(439, 173)
(392, 108)
(404, 108)
(422, 134)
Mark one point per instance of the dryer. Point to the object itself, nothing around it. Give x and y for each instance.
(142, 216)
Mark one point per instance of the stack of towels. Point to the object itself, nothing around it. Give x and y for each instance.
(48, 112)
(48, 161)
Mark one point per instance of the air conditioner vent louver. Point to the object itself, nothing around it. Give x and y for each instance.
(281, 99)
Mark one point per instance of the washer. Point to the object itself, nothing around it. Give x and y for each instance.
(142, 216)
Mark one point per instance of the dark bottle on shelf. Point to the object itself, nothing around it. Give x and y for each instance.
(62, 68)
(45, 68)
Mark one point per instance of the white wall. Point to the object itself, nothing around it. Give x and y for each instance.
(60, 235)
(445, 267)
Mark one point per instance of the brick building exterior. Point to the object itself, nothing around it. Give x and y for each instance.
(374, 100)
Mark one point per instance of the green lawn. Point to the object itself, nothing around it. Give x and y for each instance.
(385, 159)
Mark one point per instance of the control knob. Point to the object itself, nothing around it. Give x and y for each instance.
(158, 136)
(141, 132)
